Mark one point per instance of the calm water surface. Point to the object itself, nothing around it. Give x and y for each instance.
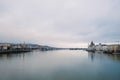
(59, 65)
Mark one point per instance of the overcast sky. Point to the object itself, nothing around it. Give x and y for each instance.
(61, 23)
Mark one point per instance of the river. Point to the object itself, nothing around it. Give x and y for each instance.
(59, 65)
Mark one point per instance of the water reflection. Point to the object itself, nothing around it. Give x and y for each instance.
(12, 55)
(100, 55)
(91, 55)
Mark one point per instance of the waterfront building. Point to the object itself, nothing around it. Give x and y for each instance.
(4, 46)
(114, 48)
(91, 47)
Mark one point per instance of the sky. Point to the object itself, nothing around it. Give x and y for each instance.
(60, 23)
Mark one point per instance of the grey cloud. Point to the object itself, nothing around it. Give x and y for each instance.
(55, 22)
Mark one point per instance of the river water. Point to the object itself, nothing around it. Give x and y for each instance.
(59, 65)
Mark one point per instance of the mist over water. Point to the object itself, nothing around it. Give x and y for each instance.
(59, 65)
